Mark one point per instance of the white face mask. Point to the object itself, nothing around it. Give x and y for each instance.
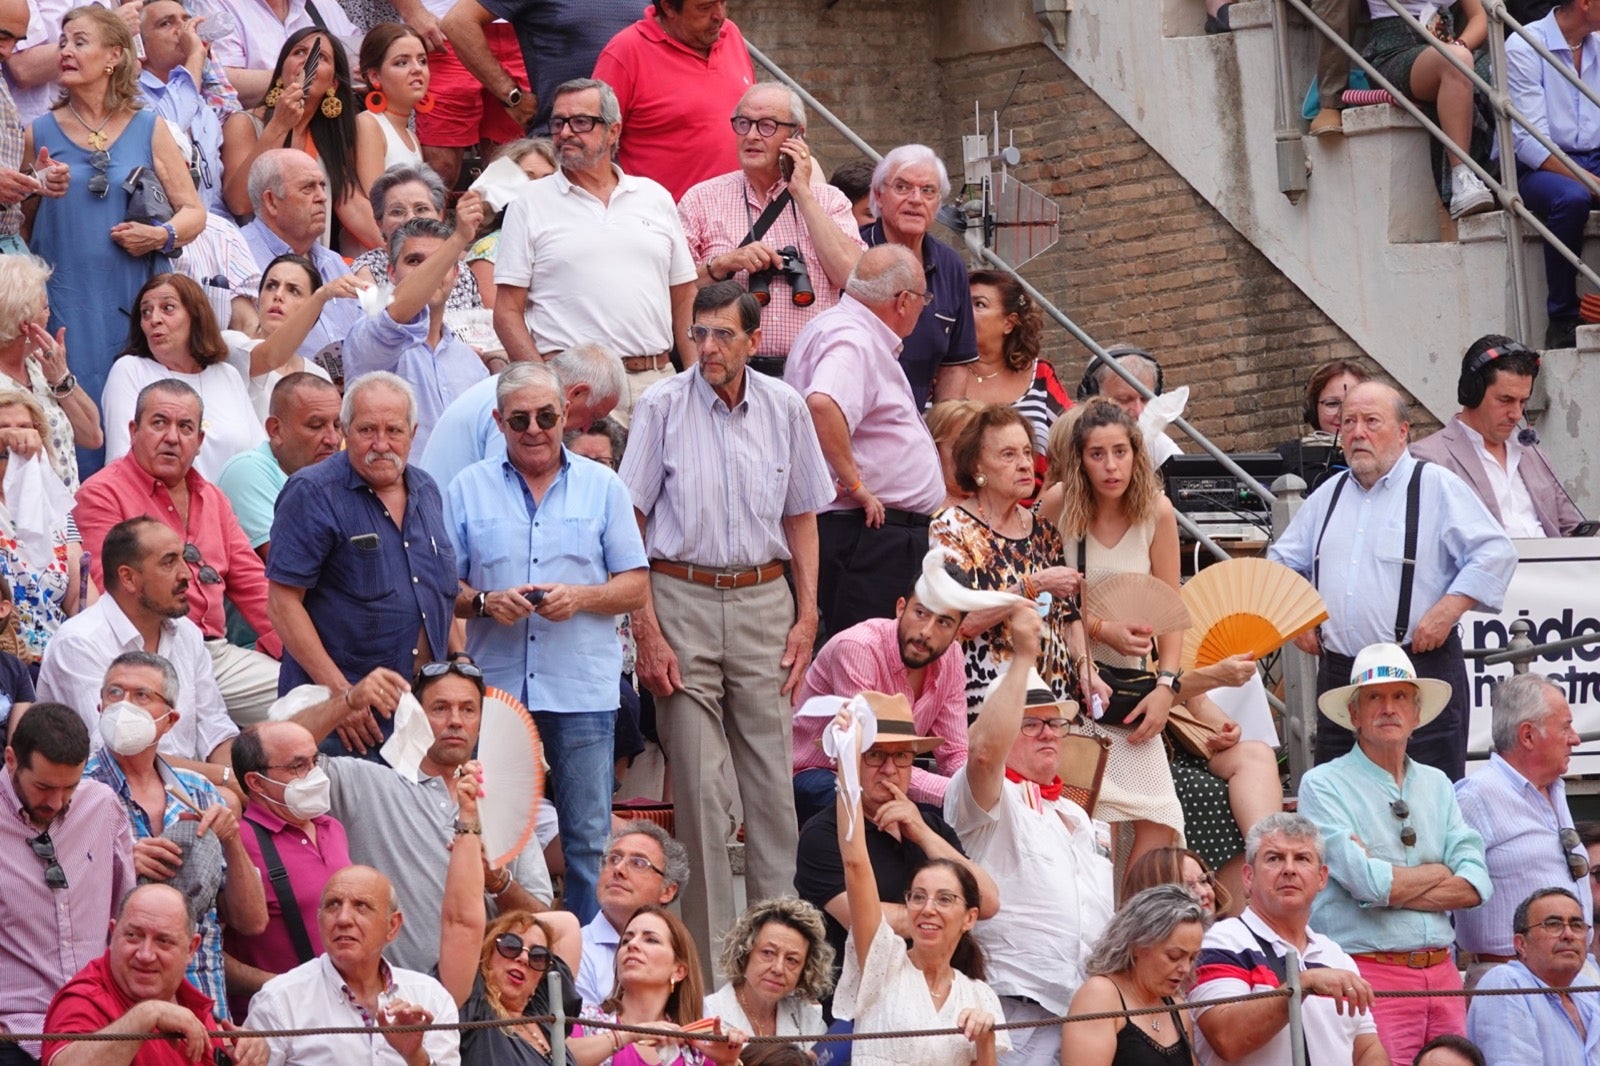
(306, 797)
(128, 728)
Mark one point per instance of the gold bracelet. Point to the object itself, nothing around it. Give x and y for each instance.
(347, 690)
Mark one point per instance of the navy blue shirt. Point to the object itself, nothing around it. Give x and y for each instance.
(944, 334)
(561, 39)
(370, 586)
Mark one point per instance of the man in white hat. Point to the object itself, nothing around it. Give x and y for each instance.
(1007, 806)
(1400, 854)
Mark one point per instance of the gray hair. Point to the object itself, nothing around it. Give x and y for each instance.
(149, 660)
(405, 174)
(595, 366)
(266, 174)
(1397, 403)
(22, 292)
(607, 427)
(610, 110)
(675, 854)
(898, 159)
(797, 107)
(519, 376)
(881, 272)
(1519, 698)
(1144, 921)
(1285, 824)
(377, 379)
(417, 227)
(1146, 369)
(1519, 917)
(523, 147)
(168, 387)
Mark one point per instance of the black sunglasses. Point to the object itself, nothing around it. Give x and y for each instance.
(45, 848)
(100, 181)
(207, 573)
(510, 946)
(546, 418)
(1402, 810)
(1577, 865)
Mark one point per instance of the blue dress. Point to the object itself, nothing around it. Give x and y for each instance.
(95, 281)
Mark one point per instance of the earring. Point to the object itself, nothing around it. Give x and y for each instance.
(271, 99)
(377, 103)
(980, 480)
(426, 105)
(332, 106)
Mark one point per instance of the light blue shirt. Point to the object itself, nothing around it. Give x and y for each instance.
(338, 316)
(1532, 1030)
(581, 533)
(1521, 827)
(179, 100)
(1349, 798)
(436, 375)
(1461, 550)
(597, 970)
(252, 481)
(1551, 103)
(464, 434)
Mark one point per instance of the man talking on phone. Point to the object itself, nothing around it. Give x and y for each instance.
(774, 225)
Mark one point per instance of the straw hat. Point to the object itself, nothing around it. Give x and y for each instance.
(1384, 664)
(895, 724)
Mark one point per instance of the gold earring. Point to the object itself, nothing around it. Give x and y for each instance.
(332, 106)
(271, 99)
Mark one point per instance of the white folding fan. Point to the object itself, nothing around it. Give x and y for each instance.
(513, 776)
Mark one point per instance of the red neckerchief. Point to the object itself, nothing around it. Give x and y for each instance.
(1050, 792)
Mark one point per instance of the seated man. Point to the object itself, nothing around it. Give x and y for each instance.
(1484, 446)
(157, 478)
(901, 835)
(915, 654)
(1400, 855)
(295, 844)
(137, 987)
(183, 830)
(642, 865)
(1101, 380)
(1283, 873)
(1550, 934)
(353, 985)
(145, 608)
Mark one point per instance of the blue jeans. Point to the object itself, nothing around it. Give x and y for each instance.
(1562, 204)
(813, 792)
(578, 747)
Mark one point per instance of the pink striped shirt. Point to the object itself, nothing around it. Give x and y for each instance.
(866, 657)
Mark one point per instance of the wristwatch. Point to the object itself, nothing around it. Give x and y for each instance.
(480, 603)
(1169, 680)
(514, 97)
(65, 386)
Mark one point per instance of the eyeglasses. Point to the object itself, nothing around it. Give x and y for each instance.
(206, 573)
(878, 756)
(510, 946)
(141, 696)
(636, 863)
(764, 126)
(926, 295)
(701, 334)
(916, 899)
(1402, 810)
(1577, 865)
(1554, 926)
(578, 123)
(905, 188)
(299, 767)
(545, 418)
(1330, 405)
(100, 181)
(1056, 727)
(45, 848)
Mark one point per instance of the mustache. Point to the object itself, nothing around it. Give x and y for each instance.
(376, 456)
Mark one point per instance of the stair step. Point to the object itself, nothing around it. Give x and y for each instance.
(1589, 340)
(1491, 226)
(1187, 18)
(1378, 118)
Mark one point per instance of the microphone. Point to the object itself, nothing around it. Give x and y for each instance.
(1527, 436)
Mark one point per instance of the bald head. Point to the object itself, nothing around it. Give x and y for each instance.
(289, 193)
(152, 942)
(13, 25)
(1373, 430)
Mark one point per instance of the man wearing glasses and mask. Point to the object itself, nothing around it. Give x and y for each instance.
(66, 859)
(1400, 855)
(548, 555)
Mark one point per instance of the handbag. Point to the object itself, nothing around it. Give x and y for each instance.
(147, 201)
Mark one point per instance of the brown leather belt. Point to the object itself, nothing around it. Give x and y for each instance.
(1496, 959)
(640, 364)
(1421, 959)
(720, 579)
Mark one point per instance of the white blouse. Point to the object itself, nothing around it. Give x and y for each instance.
(796, 1017)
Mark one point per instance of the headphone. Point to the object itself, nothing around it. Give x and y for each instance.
(1089, 385)
(1473, 382)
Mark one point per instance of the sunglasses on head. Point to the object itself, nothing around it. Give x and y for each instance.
(510, 946)
(467, 670)
(545, 418)
(207, 573)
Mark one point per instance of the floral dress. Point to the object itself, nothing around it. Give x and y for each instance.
(39, 596)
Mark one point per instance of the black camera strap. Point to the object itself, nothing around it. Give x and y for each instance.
(758, 228)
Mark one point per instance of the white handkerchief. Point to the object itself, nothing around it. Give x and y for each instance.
(296, 700)
(375, 298)
(940, 591)
(412, 738)
(844, 745)
(38, 502)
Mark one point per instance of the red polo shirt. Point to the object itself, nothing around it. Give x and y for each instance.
(676, 102)
(91, 1001)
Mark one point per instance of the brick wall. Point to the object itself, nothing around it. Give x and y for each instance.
(1143, 259)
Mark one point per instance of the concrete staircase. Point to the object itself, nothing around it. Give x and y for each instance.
(1368, 241)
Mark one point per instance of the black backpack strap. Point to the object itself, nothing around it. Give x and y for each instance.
(279, 876)
(1408, 563)
(758, 229)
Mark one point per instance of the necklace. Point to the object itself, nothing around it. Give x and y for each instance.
(1155, 1019)
(755, 1026)
(981, 378)
(934, 993)
(983, 516)
(97, 139)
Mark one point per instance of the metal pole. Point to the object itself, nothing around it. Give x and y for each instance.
(811, 101)
(1299, 669)
(1297, 1029)
(1520, 317)
(558, 1031)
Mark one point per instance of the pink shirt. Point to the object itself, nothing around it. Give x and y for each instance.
(123, 490)
(866, 657)
(675, 102)
(848, 355)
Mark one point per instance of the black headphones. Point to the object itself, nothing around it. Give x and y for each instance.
(1474, 383)
(1090, 383)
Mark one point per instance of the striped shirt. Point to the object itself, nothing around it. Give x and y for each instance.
(716, 484)
(718, 213)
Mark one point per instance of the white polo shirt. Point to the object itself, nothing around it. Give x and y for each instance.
(1231, 964)
(595, 273)
(1057, 894)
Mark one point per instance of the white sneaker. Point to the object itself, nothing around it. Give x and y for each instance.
(1468, 194)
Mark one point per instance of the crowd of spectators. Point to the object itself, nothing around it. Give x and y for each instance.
(702, 449)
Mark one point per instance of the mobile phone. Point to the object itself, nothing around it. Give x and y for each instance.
(785, 163)
(313, 61)
(365, 541)
(534, 597)
(1586, 529)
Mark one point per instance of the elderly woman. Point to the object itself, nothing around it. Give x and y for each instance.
(400, 194)
(1179, 866)
(100, 131)
(1143, 959)
(779, 964)
(1009, 326)
(35, 362)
